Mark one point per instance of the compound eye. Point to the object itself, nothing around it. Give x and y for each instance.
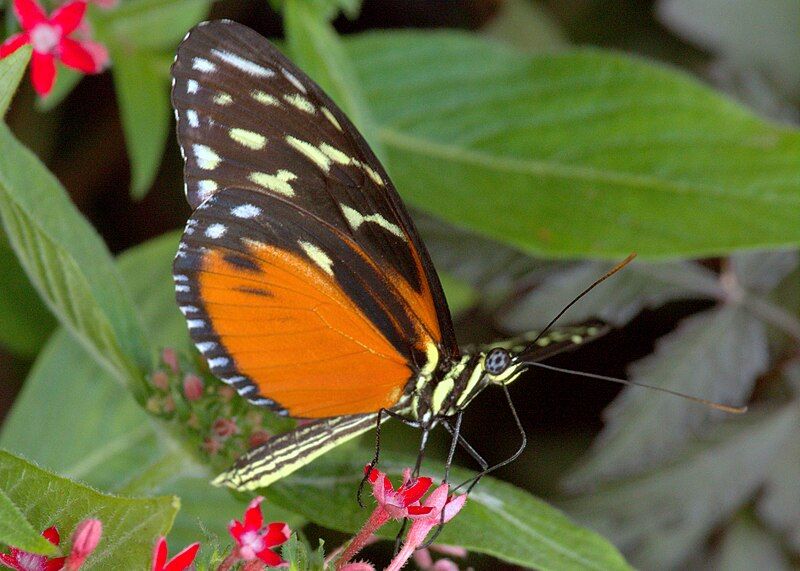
(497, 361)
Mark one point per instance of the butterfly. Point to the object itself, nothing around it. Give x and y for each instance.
(302, 278)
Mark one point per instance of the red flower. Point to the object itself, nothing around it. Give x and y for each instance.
(84, 541)
(254, 540)
(402, 502)
(179, 562)
(24, 561)
(49, 38)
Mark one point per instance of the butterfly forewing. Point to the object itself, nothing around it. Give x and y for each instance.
(295, 217)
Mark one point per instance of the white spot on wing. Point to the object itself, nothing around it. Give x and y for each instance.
(195, 323)
(206, 188)
(192, 86)
(194, 120)
(186, 309)
(243, 64)
(207, 159)
(317, 256)
(205, 346)
(223, 99)
(180, 278)
(331, 118)
(203, 65)
(246, 211)
(216, 230)
(356, 219)
(182, 288)
(293, 80)
(218, 362)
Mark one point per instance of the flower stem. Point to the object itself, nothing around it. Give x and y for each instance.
(401, 558)
(376, 520)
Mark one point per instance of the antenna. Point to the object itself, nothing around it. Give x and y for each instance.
(597, 282)
(705, 402)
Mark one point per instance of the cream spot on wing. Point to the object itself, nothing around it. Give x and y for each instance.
(313, 153)
(330, 116)
(300, 102)
(265, 98)
(246, 211)
(317, 256)
(216, 230)
(356, 219)
(243, 64)
(279, 182)
(206, 188)
(335, 154)
(203, 65)
(248, 139)
(373, 175)
(293, 80)
(206, 158)
(223, 99)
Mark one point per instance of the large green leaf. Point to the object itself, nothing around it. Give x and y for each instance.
(662, 517)
(17, 531)
(68, 262)
(715, 355)
(130, 525)
(584, 153)
(11, 70)
(498, 519)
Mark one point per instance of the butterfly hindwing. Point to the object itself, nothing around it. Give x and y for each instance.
(250, 119)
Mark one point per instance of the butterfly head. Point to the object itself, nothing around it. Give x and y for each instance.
(501, 366)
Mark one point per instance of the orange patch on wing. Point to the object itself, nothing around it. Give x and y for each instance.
(299, 337)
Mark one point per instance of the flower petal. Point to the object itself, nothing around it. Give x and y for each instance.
(183, 559)
(29, 13)
(9, 561)
(55, 564)
(43, 73)
(159, 554)
(253, 518)
(416, 490)
(277, 533)
(74, 55)
(419, 510)
(270, 557)
(69, 16)
(13, 43)
(453, 506)
(236, 530)
(51, 534)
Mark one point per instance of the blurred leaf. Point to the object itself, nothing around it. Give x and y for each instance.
(66, 80)
(498, 518)
(26, 321)
(327, 9)
(68, 262)
(715, 355)
(747, 546)
(12, 68)
(317, 49)
(762, 271)
(663, 516)
(779, 505)
(130, 525)
(585, 153)
(766, 34)
(617, 300)
(138, 34)
(301, 557)
(526, 26)
(460, 296)
(15, 529)
(108, 440)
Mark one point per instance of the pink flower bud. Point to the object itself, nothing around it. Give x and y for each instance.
(224, 427)
(160, 380)
(170, 358)
(257, 438)
(84, 541)
(358, 566)
(192, 387)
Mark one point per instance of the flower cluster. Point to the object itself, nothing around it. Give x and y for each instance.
(404, 502)
(53, 39)
(221, 423)
(254, 543)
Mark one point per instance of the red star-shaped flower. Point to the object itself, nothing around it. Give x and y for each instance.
(254, 540)
(179, 562)
(49, 38)
(24, 561)
(402, 502)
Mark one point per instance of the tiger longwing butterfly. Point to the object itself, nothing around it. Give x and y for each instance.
(302, 278)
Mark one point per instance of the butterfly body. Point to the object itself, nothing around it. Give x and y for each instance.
(301, 275)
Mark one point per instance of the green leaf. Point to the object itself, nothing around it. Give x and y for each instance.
(68, 262)
(26, 321)
(130, 525)
(318, 51)
(526, 26)
(12, 69)
(15, 530)
(108, 440)
(66, 80)
(715, 355)
(327, 9)
(498, 518)
(301, 557)
(582, 153)
(138, 34)
(617, 300)
(748, 546)
(662, 517)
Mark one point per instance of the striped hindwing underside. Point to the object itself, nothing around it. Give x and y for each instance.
(291, 202)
